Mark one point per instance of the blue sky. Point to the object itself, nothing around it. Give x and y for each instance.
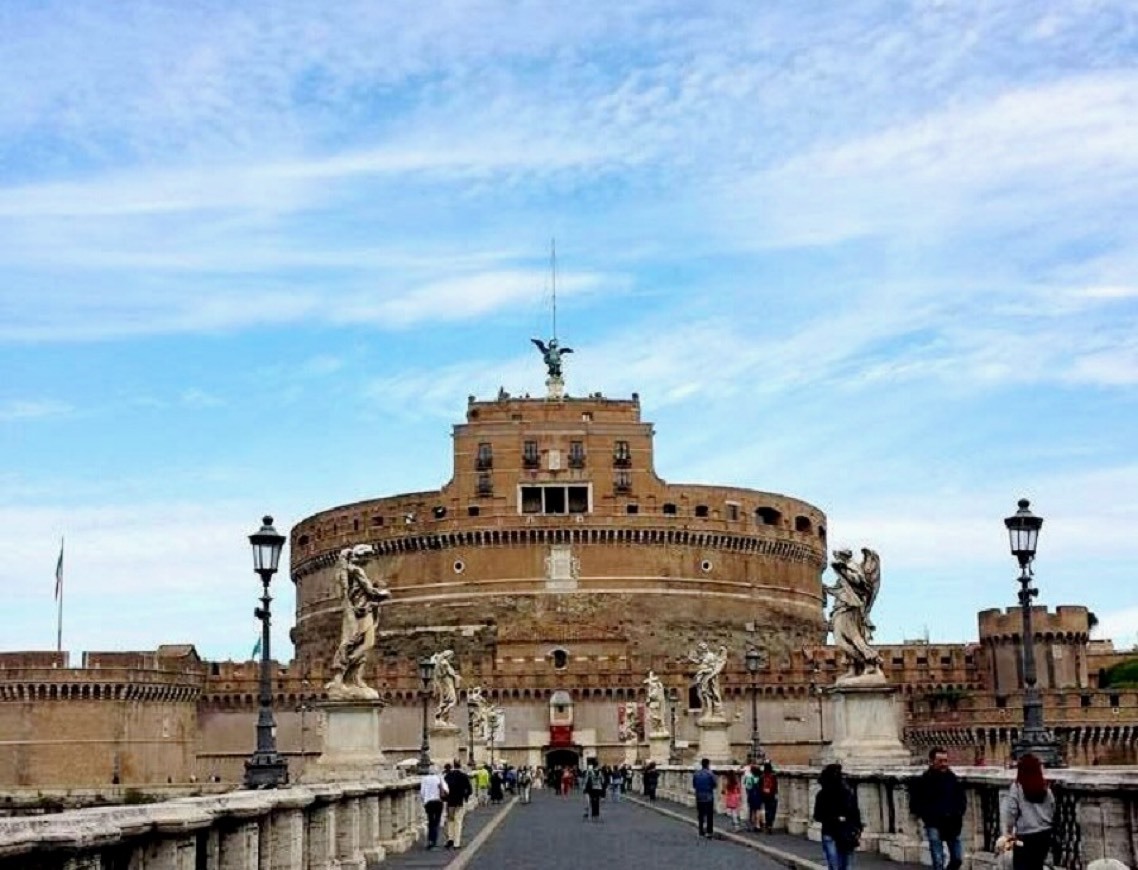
(877, 255)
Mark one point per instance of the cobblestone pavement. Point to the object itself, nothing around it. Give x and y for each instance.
(550, 834)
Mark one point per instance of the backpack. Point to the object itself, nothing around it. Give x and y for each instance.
(594, 781)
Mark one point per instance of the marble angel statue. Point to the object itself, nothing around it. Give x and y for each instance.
(711, 665)
(444, 685)
(360, 603)
(655, 704)
(854, 594)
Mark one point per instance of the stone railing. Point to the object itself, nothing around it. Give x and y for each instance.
(318, 827)
(1096, 812)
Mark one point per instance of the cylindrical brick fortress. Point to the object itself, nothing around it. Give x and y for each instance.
(555, 525)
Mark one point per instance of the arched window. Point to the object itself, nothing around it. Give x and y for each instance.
(802, 524)
(767, 516)
(560, 659)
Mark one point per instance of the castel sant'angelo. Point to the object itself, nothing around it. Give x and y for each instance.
(561, 568)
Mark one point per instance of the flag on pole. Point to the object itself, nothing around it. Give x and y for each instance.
(256, 650)
(59, 572)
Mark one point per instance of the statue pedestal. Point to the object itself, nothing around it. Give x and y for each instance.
(444, 743)
(631, 753)
(352, 744)
(660, 747)
(714, 743)
(867, 728)
(556, 388)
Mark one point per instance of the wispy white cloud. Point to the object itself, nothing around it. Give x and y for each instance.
(33, 409)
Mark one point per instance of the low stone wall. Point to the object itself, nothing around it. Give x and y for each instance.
(1096, 812)
(320, 827)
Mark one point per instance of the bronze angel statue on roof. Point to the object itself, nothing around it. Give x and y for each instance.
(551, 353)
(854, 594)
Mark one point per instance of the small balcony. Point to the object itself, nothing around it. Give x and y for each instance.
(484, 463)
(485, 485)
(622, 460)
(576, 460)
(531, 460)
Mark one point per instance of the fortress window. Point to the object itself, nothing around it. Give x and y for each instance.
(768, 516)
(632, 509)
(587, 417)
(377, 520)
(802, 524)
(530, 457)
(732, 510)
(553, 499)
(1001, 702)
(485, 458)
(560, 660)
(578, 499)
(1084, 700)
(355, 525)
(576, 454)
(701, 510)
(485, 484)
(669, 509)
(473, 511)
(439, 512)
(822, 533)
(302, 541)
(531, 499)
(621, 454)
(622, 482)
(1114, 701)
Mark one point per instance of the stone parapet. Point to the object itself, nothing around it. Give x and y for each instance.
(1096, 811)
(285, 829)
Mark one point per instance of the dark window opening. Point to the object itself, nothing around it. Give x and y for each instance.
(485, 484)
(554, 500)
(946, 660)
(576, 454)
(578, 499)
(622, 481)
(485, 458)
(802, 524)
(822, 532)
(768, 516)
(1001, 702)
(1084, 700)
(669, 509)
(1114, 700)
(922, 660)
(732, 511)
(355, 525)
(302, 541)
(701, 510)
(530, 457)
(377, 521)
(621, 454)
(473, 511)
(693, 698)
(531, 499)
(439, 512)
(632, 508)
(560, 659)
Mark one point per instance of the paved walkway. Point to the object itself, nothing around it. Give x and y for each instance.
(480, 823)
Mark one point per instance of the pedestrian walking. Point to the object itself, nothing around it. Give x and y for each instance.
(616, 783)
(432, 790)
(768, 792)
(1027, 816)
(481, 778)
(937, 799)
(704, 783)
(459, 791)
(594, 787)
(733, 797)
(566, 782)
(651, 779)
(525, 784)
(752, 787)
(496, 787)
(835, 807)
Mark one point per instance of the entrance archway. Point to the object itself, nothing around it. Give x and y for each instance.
(556, 760)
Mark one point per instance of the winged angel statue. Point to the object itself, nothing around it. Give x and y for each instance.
(854, 594)
(551, 354)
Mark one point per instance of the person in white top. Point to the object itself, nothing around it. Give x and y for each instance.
(432, 790)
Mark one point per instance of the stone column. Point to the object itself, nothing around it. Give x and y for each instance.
(370, 840)
(660, 747)
(320, 829)
(287, 829)
(348, 828)
(714, 744)
(178, 826)
(444, 743)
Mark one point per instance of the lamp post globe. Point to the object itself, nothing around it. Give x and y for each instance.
(754, 661)
(1023, 538)
(426, 674)
(267, 768)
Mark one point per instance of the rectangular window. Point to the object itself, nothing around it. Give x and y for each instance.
(554, 499)
(1084, 700)
(578, 499)
(622, 481)
(576, 454)
(485, 484)
(530, 456)
(485, 456)
(732, 510)
(1001, 702)
(621, 455)
(632, 509)
(1114, 701)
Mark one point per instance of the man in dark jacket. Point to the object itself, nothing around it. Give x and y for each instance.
(704, 784)
(459, 790)
(938, 800)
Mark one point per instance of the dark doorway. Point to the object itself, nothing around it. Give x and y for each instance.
(566, 757)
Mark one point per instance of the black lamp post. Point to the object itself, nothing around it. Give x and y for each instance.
(754, 660)
(267, 768)
(1023, 533)
(471, 708)
(426, 673)
(673, 701)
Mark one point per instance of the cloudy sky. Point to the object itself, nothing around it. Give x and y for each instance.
(881, 256)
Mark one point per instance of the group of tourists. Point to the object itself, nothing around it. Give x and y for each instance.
(451, 790)
(938, 799)
(752, 787)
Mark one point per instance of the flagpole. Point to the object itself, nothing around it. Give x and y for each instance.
(59, 598)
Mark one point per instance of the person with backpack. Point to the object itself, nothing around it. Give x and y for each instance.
(650, 780)
(768, 793)
(938, 800)
(458, 791)
(594, 787)
(616, 783)
(704, 783)
(836, 809)
(752, 779)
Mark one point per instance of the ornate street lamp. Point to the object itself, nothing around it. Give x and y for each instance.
(754, 660)
(471, 707)
(1023, 533)
(267, 768)
(673, 701)
(426, 673)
